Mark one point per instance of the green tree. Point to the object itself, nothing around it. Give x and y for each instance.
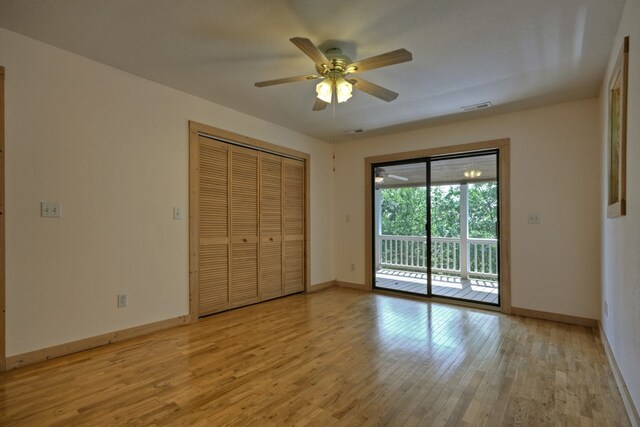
(404, 211)
(483, 210)
(445, 211)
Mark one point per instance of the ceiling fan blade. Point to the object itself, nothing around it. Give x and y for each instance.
(400, 178)
(383, 60)
(311, 50)
(287, 80)
(373, 89)
(319, 105)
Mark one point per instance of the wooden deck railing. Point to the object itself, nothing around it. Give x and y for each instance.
(410, 253)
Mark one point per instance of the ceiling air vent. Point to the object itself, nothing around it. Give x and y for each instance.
(475, 107)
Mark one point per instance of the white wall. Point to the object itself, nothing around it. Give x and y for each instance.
(112, 148)
(621, 236)
(555, 170)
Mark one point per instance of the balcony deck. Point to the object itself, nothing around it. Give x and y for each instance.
(477, 290)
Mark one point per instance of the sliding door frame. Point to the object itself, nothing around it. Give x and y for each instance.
(489, 152)
(197, 129)
(427, 176)
(502, 146)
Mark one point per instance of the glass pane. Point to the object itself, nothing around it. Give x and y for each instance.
(464, 221)
(400, 200)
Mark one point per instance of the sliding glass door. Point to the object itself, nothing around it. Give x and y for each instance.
(436, 227)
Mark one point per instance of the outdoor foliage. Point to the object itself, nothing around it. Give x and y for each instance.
(404, 211)
(445, 211)
(483, 210)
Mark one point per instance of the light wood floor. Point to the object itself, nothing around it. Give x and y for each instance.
(338, 357)
(476, 290)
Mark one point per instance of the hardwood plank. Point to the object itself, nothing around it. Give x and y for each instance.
(336, 357)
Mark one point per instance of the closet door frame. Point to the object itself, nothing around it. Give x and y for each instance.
(195, 130)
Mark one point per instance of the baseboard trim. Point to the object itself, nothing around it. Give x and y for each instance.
(321, 286)
(632, 411)
(350, 285)
(31, 357)
(556, 317)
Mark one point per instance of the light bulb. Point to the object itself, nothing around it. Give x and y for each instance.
(323, 89)
(343, 89)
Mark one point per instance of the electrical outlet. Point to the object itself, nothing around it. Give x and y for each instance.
(606, 309)
(347, 219)
(353, 267)
(122, 300)
(533, 218)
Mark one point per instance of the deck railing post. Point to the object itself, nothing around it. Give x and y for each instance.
(464, 231)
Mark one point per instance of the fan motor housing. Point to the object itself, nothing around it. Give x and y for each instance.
(339, 63)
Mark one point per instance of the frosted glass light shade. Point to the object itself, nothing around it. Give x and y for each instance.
(343, 89)
(324, 89)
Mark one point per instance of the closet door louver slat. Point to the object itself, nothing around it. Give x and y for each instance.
(213, 274)
(270, 226)
(243, 285)
(293, 213)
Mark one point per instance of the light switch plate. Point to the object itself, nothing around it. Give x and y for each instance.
(178, 214)
(50, 209)
(533, 218)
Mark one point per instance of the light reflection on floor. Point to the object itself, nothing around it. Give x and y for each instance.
(408, 326)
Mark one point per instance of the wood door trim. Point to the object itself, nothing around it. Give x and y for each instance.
(194, 129)
(502, 146)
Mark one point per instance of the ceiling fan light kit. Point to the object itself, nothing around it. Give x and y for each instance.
(335, 68)
(380, 175)
(473, 173)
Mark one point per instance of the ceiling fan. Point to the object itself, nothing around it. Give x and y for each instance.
(380, 175)
(335, 70)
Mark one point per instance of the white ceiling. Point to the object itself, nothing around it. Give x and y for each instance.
(515, 53)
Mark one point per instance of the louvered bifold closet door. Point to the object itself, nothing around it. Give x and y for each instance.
(293, 213)
(270, 227)
(213, 258)
(243, 285)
